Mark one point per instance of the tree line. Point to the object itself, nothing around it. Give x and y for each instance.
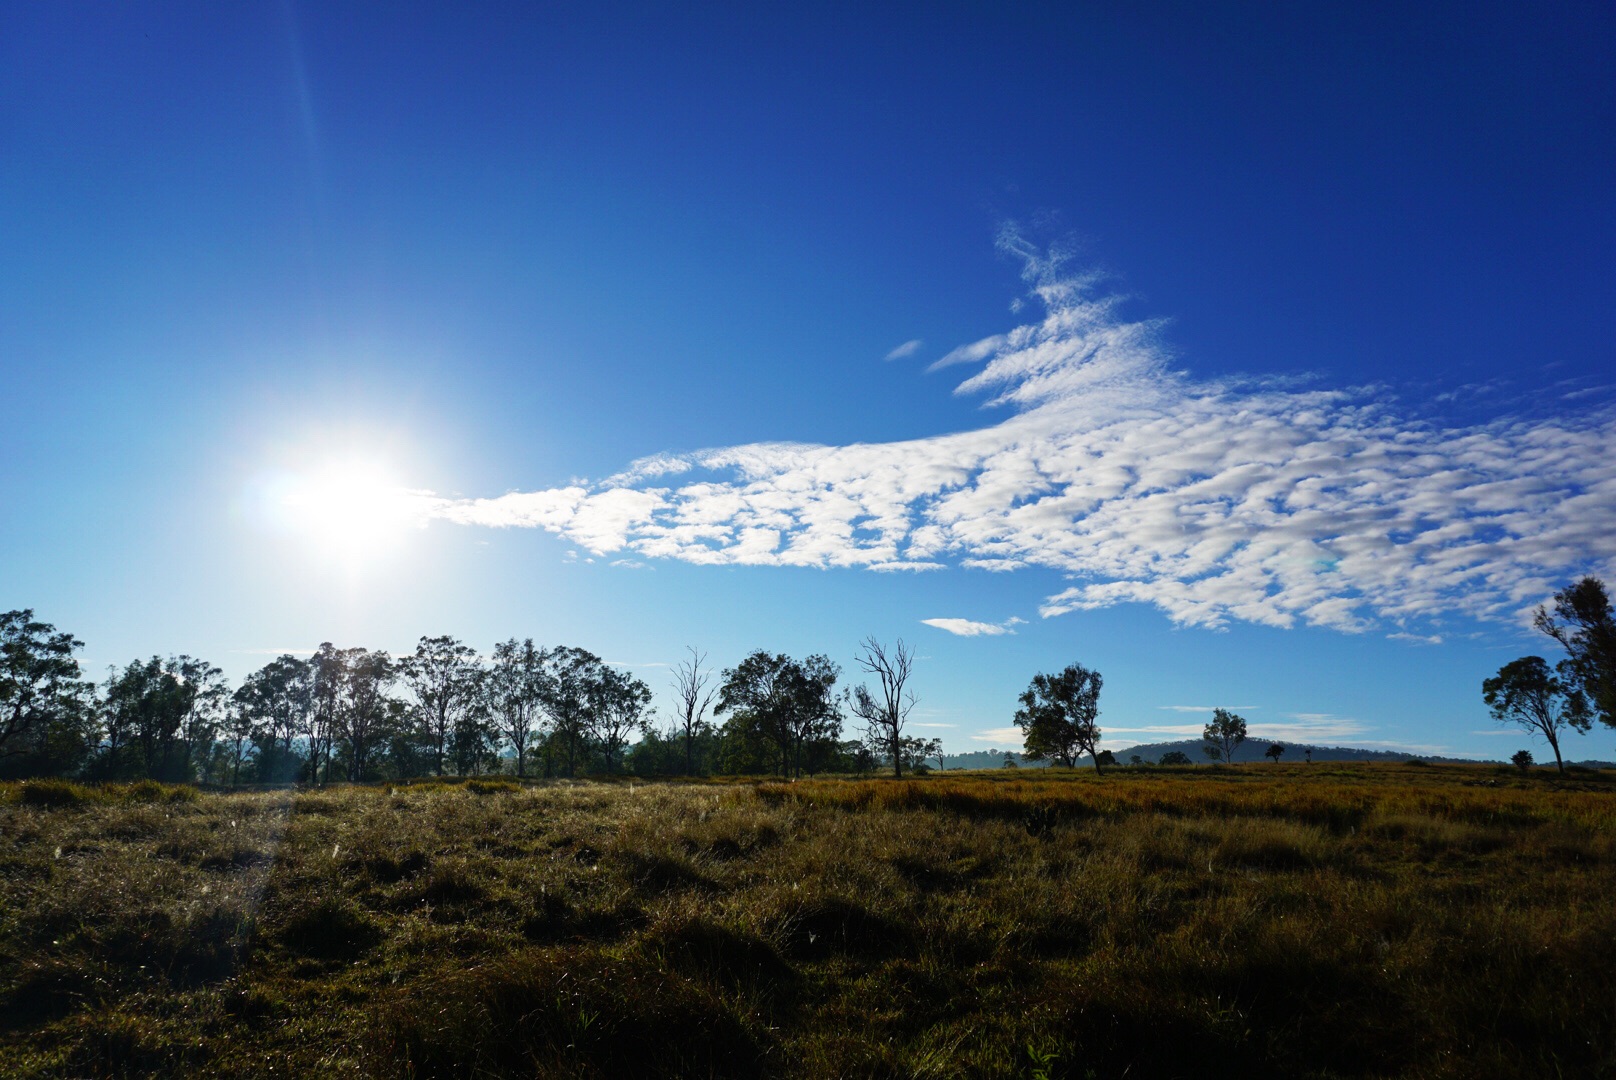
(358, 714)
(445, 710)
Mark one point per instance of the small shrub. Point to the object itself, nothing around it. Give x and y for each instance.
(1522, 760)
(54, 794)
(334, 928)
(150, 791)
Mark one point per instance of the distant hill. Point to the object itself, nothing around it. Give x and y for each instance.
(988, 759)
(1250, 750)
(1255, 749)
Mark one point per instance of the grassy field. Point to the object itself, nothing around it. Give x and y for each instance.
(1329, 921)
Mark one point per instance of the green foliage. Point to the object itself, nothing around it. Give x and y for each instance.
(782, 708)
(1530, 695)
(46, 713)
(1583, 623)
(1225, 732)
(1059, 716)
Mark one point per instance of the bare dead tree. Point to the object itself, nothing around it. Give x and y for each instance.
(885, 710)
(690, 689)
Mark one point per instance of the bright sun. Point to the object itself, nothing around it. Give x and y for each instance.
(352, 510)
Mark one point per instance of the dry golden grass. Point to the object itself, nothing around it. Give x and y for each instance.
(1256, 921)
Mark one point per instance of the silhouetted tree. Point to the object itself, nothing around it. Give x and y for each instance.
(362, 717)
(784, 702)
(694, 699)
(1522, 760)
(1275, 751)
(46, 711)
(885, 710)
(165, 713)
(617, 703)
(1059, 716)
(443, 676)
(1583, 623)
(1528, 694)
(570, 675)
(1174, 757)
(513, 691)
(1223, 734)
(328, 676)
(277, 699)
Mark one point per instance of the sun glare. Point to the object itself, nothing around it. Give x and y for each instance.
(351, 510)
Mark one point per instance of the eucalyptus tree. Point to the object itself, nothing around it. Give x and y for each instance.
(617, 709)
(165, 711)
(1225, 732)
(513, 688)
(328, 678)
(885, 710)
(277, 699)
(570, 675)
(694, 698)
(1059, 716)
(1583, 623)
(46, 709)
(443, 674)
(787, 703)
(362, 713)
(1531, 695)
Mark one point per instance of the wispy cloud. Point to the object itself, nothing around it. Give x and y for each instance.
(1003, 736)
(1207, 708)
(1215, 500)
(1416, 639)
(908, 348)
(968, 628)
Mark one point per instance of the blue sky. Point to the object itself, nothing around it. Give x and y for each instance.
(1279, 341)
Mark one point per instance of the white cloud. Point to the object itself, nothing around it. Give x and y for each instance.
(1215, 500)
(1416, 639)
(1004, 736)
(908, 348)
(967, 628)
(1207, 708)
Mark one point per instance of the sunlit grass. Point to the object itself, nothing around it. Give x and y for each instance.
(1253, 921)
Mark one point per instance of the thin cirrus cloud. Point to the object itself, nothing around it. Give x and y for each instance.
(970, 628)
(908, 348)
(1216, 500)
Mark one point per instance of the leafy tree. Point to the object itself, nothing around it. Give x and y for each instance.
(694, 699)
(362, 718)
(327, 685)
(161, 715)
(1583, 624)
(513, 695)
(276, 701)
(915, 752)
(617, 705)
(1174, 757)
(1059, 715)
(46, 713)
(238, 731)
(885, 710)
(1275, 751)
(1522, 760)
(1528, 694)
(785, 703)
(443, 676)
(1135, 759)
(1223, 734)
(570, 676)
